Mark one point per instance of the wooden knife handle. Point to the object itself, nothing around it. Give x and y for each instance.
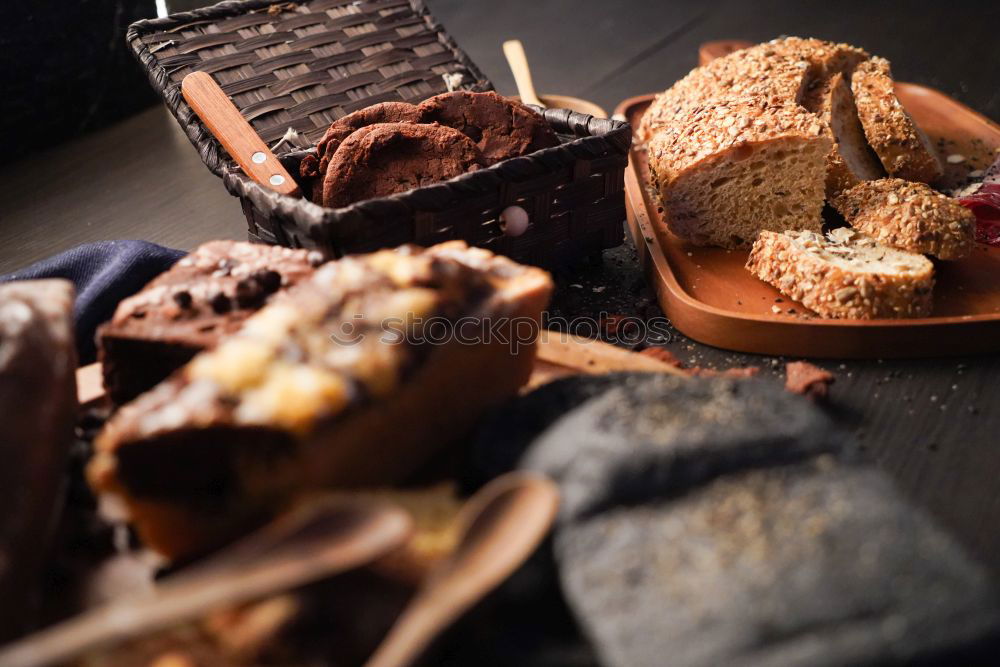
(235, 134)
(709, 51)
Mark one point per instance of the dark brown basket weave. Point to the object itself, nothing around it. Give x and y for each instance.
(300, 66)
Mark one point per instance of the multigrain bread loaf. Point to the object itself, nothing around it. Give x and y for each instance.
(911, 216)
(340, 384)
(735, 169)
(851, 161)
(903, 148)
(845, 274)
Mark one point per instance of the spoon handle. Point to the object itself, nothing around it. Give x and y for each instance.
(504, 523)
(289, 553)
(227, 124)
(518, 61)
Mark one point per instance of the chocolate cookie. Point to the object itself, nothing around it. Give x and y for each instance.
(314, 166)
(500, 127)
(386, 158)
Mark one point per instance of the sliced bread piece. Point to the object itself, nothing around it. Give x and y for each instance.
(911, 216)
(754, 73)
(735, 169)
(851, 161)
(845, 274)
(903, 148)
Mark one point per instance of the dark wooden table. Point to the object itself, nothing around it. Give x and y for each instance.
(933, 424)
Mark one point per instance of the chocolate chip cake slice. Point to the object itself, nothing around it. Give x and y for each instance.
(187, 309)
(354, 378)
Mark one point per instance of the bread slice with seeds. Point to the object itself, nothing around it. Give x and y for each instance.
(903, 148)
(911, 216)
(734, 169)
(845, 274)
(851, 161)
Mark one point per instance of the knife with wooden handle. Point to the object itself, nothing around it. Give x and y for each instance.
(224, 120)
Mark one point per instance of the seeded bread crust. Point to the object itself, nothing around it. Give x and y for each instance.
(851, 161)
(911, 216)
(792, 263)
(756, 73)
(730, 154)
(903, 148)
(828, 60)
(783, 71)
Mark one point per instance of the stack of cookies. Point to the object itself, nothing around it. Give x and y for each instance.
(395, 146)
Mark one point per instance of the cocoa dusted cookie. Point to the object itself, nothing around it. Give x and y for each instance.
(386, 158)
(313, 167)
(500, 127)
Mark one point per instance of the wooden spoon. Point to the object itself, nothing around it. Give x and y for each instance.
(503, 524)
(518, 61)
(316, 541)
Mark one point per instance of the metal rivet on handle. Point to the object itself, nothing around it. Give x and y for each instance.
(258, 158)
(514, 221)
(277, 179)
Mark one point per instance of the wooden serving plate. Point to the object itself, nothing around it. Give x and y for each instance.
(709, 295)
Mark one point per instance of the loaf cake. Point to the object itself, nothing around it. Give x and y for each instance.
(845, 274)
(735, 169)
(904, 149)
(910, 216)
(190, 307)
(354, 378)
(38, 404)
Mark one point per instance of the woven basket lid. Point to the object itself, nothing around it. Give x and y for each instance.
(300, 65)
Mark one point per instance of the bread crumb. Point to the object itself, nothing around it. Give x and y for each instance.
(803, 378)
(956, 158)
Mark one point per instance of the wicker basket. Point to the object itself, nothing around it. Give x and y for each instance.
(299, 66)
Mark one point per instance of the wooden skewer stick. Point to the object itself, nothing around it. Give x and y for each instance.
(235, 134)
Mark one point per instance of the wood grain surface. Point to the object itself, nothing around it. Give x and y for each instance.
(932, 424)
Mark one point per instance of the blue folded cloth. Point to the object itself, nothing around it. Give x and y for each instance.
(104, 273)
